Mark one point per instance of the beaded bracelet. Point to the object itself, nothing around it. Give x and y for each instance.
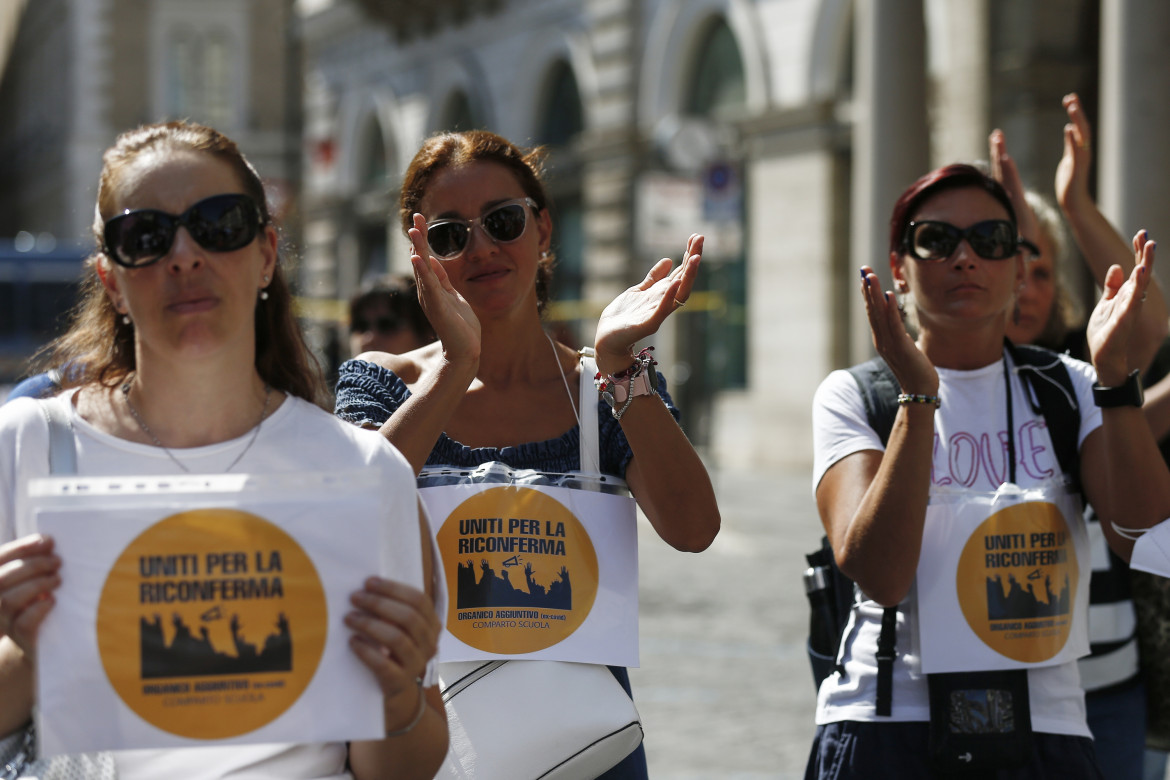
(422, 708)
(618, 390)
(918, 398)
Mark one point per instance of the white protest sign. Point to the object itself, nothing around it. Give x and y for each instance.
(1002, 580)
(209, 608)
(537, 572)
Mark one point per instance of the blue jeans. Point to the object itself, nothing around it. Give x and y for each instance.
(1117, 718)
(851, 750)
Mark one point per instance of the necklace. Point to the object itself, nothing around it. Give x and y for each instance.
(146, 429)
(564, 379)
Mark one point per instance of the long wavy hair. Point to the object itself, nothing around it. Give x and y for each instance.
(455, 150)
(99, 347)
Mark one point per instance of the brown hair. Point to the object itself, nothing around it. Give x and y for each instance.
(455, 150)
(99, 347)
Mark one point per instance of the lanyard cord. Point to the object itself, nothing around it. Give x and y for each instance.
(1011, 426)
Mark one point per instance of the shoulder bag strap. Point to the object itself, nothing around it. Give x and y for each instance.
(62, 447)
(879, 390)
(590, 433)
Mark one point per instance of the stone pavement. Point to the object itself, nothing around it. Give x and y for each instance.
(724, 689)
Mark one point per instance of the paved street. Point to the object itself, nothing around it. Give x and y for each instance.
(724, 689)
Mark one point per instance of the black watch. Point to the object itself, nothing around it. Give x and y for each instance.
(1128, 393)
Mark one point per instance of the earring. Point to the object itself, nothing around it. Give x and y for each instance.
(126, 319)
(263, 294)
(544, 254)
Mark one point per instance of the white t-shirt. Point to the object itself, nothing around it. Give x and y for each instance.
(970, 450)
(296, 437)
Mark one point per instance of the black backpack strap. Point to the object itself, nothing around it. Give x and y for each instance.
(885, 662)
(1055, 399)
(879, 391)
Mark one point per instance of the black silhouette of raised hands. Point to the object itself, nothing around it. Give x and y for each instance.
(1116, 313)
(639, 311)
(29, 572)
(913, 370)
(449, 312)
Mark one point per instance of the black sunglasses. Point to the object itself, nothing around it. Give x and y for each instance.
(503, 224)
(221, 223)
(992, 239)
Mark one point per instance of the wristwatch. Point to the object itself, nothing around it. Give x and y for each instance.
(1129, 393)
(642, 384)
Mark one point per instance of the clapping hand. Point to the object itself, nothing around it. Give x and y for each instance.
(1004, 171)
(1072, 173)
(913, 370)
(1113, 319)
(640, 310)
(449, 312)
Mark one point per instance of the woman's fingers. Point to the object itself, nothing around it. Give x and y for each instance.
(29, 572)
(394, 625)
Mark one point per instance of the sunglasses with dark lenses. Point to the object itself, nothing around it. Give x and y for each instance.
(503, 224)
(992, 239)
(221, 223)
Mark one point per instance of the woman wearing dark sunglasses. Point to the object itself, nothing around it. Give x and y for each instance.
(185, 356)
(496, 387)
(968, 417)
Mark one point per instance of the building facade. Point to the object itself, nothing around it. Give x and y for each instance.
(782, 129)
(78, 72)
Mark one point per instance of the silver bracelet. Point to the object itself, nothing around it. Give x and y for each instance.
(422, 707)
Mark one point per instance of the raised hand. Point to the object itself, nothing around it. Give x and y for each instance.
(914, 371)
(1004, 171)
(640, 310)
(1114, 317)
(28, 576)
(449, 312)
(396, 633)
(1072, 173)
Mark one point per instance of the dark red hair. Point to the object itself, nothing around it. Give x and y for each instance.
(949, 177)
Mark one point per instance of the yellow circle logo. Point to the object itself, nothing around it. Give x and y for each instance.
(1017, 581)
(521, 570)
(211, 623)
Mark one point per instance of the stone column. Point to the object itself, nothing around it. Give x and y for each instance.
(890, 139)
(1132, 154)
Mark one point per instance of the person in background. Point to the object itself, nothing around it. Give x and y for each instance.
(1115, 693)
(385, 316)
(185, 356)
(496, 387)
(954, 254)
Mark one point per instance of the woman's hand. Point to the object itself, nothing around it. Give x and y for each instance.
(1072, 173)
(396, 633)
(449, 312)
(639, 311)
(29, 572)
(914, 371)
(1004, 171)
(1116, 313)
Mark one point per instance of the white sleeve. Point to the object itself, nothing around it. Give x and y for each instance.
(1083, 378)
(840, 426)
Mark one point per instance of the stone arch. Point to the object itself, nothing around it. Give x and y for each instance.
(676, 33)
